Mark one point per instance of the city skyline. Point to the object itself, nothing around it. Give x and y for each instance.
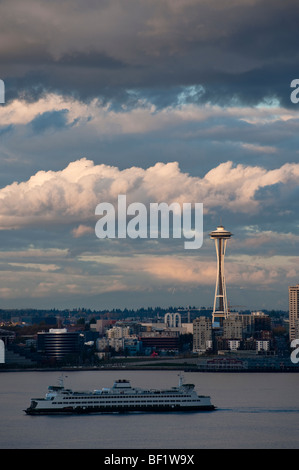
(197, 109)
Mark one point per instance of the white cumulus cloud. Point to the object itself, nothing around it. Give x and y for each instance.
(71, 195)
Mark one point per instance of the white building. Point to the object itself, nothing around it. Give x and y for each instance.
(234, 344)
(173, 320)
(118, 332)
(262, 345)
(115, 343)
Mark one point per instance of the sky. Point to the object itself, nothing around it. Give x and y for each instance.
(183, 101)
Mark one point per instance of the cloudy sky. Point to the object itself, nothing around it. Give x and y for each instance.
(163, 101)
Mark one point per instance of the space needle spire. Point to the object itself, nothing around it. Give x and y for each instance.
(220, 309)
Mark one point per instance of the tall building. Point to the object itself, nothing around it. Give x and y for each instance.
(262, 321)
(202, 334)
(220, 309)
(233, 327)
(58, 343)
(293, 312)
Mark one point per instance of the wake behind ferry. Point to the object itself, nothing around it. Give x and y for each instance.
(120, 398)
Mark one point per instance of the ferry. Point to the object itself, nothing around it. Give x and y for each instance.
(120, 398)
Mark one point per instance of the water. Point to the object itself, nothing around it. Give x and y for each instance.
(255, 411)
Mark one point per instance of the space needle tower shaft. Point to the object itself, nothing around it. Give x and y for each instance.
(220, 308)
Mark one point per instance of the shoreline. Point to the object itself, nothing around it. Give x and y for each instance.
(151, 368)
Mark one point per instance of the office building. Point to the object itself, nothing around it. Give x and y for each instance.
(233, 327)
(293, 311)
(160, 342)
(262, 321)
(202, 334)
(58, 343)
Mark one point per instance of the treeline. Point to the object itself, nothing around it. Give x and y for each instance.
(116, 313)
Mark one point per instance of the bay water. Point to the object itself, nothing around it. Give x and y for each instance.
(254, 411)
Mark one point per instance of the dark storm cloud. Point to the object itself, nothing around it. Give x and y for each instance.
(237, 50)
(89, 59)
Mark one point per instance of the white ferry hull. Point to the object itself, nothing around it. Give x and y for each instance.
(121, 398)
(119, 409)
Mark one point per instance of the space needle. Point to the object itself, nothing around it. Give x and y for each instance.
(220, 309)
